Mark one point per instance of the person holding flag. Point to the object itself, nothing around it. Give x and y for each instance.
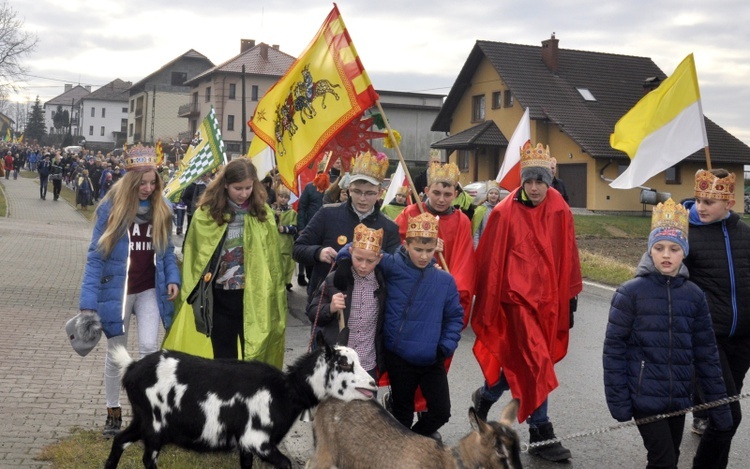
(525, 298)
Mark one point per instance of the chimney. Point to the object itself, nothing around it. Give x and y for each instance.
(246, 44)
(68, 87)
(549, 54)
(650, 84)
(275, 46)
(264, 51)
(88, 88)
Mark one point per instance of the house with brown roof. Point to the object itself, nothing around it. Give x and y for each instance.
(153, 102)
(104, 116)
(574, 99)
(69, 101)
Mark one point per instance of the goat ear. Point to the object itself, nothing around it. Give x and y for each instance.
(321, 341)
(510, 412)
(475, 421)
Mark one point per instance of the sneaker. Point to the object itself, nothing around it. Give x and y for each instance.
(387, 402)
(699, 426)
(481, 405)
(114, 422)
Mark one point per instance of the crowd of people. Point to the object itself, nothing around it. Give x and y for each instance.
(405, 281)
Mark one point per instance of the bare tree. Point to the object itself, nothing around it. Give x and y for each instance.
(15, 43)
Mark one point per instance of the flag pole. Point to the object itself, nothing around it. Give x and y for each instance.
(708, 158)
(414, 192)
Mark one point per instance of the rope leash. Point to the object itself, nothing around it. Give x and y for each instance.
(708, 405)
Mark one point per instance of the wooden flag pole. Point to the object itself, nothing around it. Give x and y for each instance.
(708, 158)
(414, 192)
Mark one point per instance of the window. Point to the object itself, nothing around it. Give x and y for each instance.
(124, 125)
(93, 112)
(232, 91)
(179, 78)
(672, 175)
(130, 131)
(254, 92)
(124, 110)
(507, 98)
(101, 132)
(104, 112)
(91, 130)
(586, 94)
(208, 94)
(132, 105)
(51, 130)
(230, 122)
(477, 108)
(53, 114)
(497, 99)
(463, 160)
(233, 147)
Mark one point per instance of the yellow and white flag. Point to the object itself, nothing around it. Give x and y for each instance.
(663, 128)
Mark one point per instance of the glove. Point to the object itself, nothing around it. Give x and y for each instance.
(343, 277)
(573, 308)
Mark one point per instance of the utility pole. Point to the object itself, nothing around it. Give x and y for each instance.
(244, 115)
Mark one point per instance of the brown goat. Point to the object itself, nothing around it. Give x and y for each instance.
(363, 435)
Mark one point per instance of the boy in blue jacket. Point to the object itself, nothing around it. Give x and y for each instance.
(658, 337)
(422, 326)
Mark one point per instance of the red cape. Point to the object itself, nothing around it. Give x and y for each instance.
(529, 271)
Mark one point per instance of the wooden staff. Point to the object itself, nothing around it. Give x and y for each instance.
(408, 175)
(708, 158)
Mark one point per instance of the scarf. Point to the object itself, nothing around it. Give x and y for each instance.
(145, 212)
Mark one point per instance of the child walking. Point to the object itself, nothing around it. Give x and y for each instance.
(131, 268)
(286, 220)
(658, 337)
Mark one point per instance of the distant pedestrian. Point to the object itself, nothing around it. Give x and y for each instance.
(8, 160)
(84, 190)
(56, 175)
(44, 167)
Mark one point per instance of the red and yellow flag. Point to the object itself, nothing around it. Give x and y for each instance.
(324, 89)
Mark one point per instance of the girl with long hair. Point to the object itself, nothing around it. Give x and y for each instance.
(131, 268)
(235, 227)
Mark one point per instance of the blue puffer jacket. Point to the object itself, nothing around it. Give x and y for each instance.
(658, 337)
(422, 310)
(104, 279)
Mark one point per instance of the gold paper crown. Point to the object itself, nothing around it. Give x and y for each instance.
(424, 225)
(140, 156)
(435, 155)
(403, 190)
(492, 184)
(367, 238)
(670, 215)
(538, 156)
(447, 173)
(709, 186)
(372, 167)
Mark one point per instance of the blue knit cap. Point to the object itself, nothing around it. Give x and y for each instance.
(668, 234)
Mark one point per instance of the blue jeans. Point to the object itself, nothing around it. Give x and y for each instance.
(493, 393)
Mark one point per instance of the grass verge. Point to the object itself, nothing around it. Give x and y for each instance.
(603, 269)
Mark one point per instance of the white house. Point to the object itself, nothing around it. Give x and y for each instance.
(104, 116)
(68, 101)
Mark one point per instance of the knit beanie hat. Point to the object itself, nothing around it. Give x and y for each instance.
(536, 164)
(669, 222)
(668, 234)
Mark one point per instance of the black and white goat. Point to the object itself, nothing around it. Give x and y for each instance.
(363, 435)
(216, 405)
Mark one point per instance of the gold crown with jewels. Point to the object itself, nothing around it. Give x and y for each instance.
(447, 173)
(371, 166)
(424, 225)
(670, 215)
(367, 238)
(140, 156)
(535, 156)
(709, 186)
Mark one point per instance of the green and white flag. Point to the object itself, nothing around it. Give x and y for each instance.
(206, 153)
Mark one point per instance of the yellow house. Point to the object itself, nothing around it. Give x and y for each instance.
(574, 100)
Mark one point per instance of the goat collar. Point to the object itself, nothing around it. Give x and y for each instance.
(457, 456)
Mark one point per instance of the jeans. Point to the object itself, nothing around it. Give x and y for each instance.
(493, 393)
(43, 186)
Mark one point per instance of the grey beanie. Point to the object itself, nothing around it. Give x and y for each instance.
(538, 173)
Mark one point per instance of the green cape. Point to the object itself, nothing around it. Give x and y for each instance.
(265, 305)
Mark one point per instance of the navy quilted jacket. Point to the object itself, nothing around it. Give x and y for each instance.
(658, 336)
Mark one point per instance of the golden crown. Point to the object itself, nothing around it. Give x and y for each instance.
(403, 190)
(140, 156)
(367, 238)
(424, 225)
(435, 155)
(709, 186)
(670, 215)
(539, 156)
(492, 184)
(371, 166)
(447, 173)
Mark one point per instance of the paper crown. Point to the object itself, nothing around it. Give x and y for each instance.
(492, 185)
(435, 155)
(403, 190)
(670, 215)
(424, 225)
(535, 157)
(371, 168)
(140, 156)
(447, 173)
(367, 238)
(709, 186)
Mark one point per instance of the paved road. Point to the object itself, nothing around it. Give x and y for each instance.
(46, 389)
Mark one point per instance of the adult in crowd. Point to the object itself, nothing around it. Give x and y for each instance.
(332, 227)
(526, 296)
(131, 269)
(233, 249)
(56, 175)
(44, 167)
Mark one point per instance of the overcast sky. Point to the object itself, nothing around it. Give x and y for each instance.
(405, 45)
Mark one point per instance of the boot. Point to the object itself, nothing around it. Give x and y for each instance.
(481, 405)
(114, 422)
(553, 452)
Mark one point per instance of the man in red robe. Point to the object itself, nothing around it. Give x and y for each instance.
(530, 278)
(454, 228)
